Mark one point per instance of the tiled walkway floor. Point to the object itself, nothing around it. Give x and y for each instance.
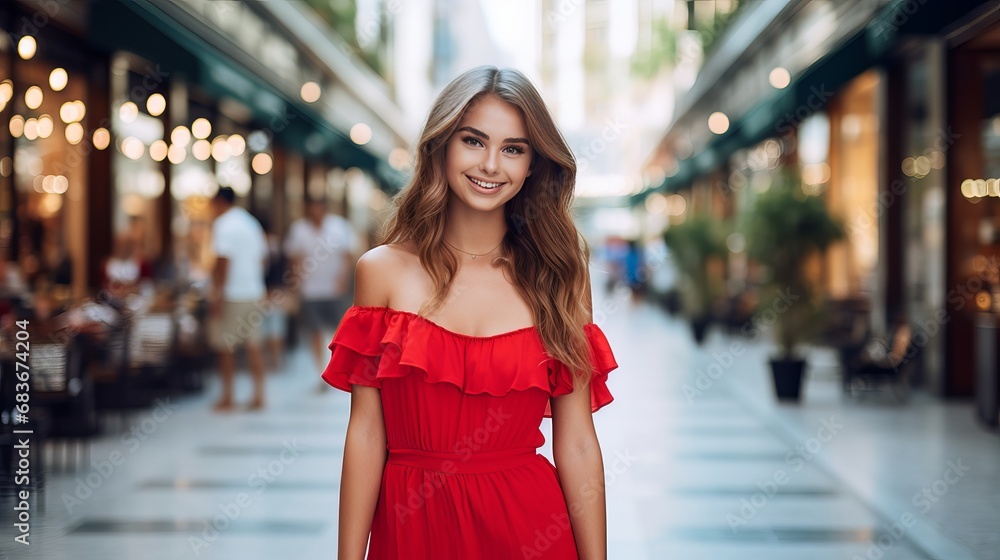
(724, 474)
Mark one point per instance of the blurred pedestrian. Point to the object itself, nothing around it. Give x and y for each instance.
(323, 249)
(236, 301)
(275, 314)
(615, 251)
(635, 268)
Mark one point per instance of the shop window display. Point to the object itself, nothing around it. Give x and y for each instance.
(46, 110)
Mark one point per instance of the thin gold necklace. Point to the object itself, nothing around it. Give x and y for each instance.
(474, 255)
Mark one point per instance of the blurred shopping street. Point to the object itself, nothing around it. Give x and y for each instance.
(726, 474)
(783, 179)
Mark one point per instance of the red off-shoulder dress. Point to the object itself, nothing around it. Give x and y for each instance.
(463, 479)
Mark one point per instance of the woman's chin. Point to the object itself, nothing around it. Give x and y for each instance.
(478, 203)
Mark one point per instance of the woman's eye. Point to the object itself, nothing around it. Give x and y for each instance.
(472, 140)
(515, 149)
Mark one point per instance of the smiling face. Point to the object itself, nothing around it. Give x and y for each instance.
(488, 157)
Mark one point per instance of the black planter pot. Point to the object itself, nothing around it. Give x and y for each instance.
(699, 328)
(787, 375)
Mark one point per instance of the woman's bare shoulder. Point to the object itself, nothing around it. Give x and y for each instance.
(378, 271)
(389, 256)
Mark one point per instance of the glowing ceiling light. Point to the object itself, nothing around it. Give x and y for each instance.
(158, 150)
(45, 126)
(176, 154)
(656, 203)
(58, 79)
(220, 149)
(128, 112)
(180, 136)
(26, 47)
(202, 150)
(156, 104)
(133, 148)
(261, 164)
(310, 92)
(60, 184)
(74, 133)
(779, 78)
(31, 129)
(361, 133)
(399, 158)
(237, 145)
(67, 112)
(33, 97)
(201, 128)
(718, 122)
(102, 138)
(16, 126)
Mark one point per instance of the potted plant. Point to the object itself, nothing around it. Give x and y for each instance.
(785, 228)
(694, 245)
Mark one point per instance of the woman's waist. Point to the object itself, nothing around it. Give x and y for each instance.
(462, 461)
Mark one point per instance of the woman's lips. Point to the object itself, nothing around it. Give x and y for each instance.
(482, 189)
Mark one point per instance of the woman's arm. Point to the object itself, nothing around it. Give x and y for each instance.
(361, 479)
(579, 462)
(365, 446)
(580, 466)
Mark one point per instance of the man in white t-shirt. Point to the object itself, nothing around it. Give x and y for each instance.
(323, 249)
(238, 291)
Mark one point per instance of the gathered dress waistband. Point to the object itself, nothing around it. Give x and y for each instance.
(462, 463)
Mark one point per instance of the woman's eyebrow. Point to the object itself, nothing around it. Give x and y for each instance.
(487, 137)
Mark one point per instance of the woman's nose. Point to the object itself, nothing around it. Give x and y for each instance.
(489, 162)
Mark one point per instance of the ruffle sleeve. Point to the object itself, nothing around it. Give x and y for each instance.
(356, 350)
(602, 362)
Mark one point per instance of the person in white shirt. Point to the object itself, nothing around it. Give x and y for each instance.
(323, 249)
(238, 291)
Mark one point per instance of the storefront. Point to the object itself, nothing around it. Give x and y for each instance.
(972, 287)
(125, 118)
(895, 126)
(46, 105)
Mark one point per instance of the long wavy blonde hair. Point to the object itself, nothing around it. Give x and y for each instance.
(542, 250)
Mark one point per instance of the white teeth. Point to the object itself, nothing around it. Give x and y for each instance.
(485, 185)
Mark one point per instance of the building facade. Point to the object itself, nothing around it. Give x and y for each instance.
(125, 117)
(884, 110)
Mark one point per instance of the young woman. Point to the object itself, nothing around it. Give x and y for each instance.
(471, 321)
